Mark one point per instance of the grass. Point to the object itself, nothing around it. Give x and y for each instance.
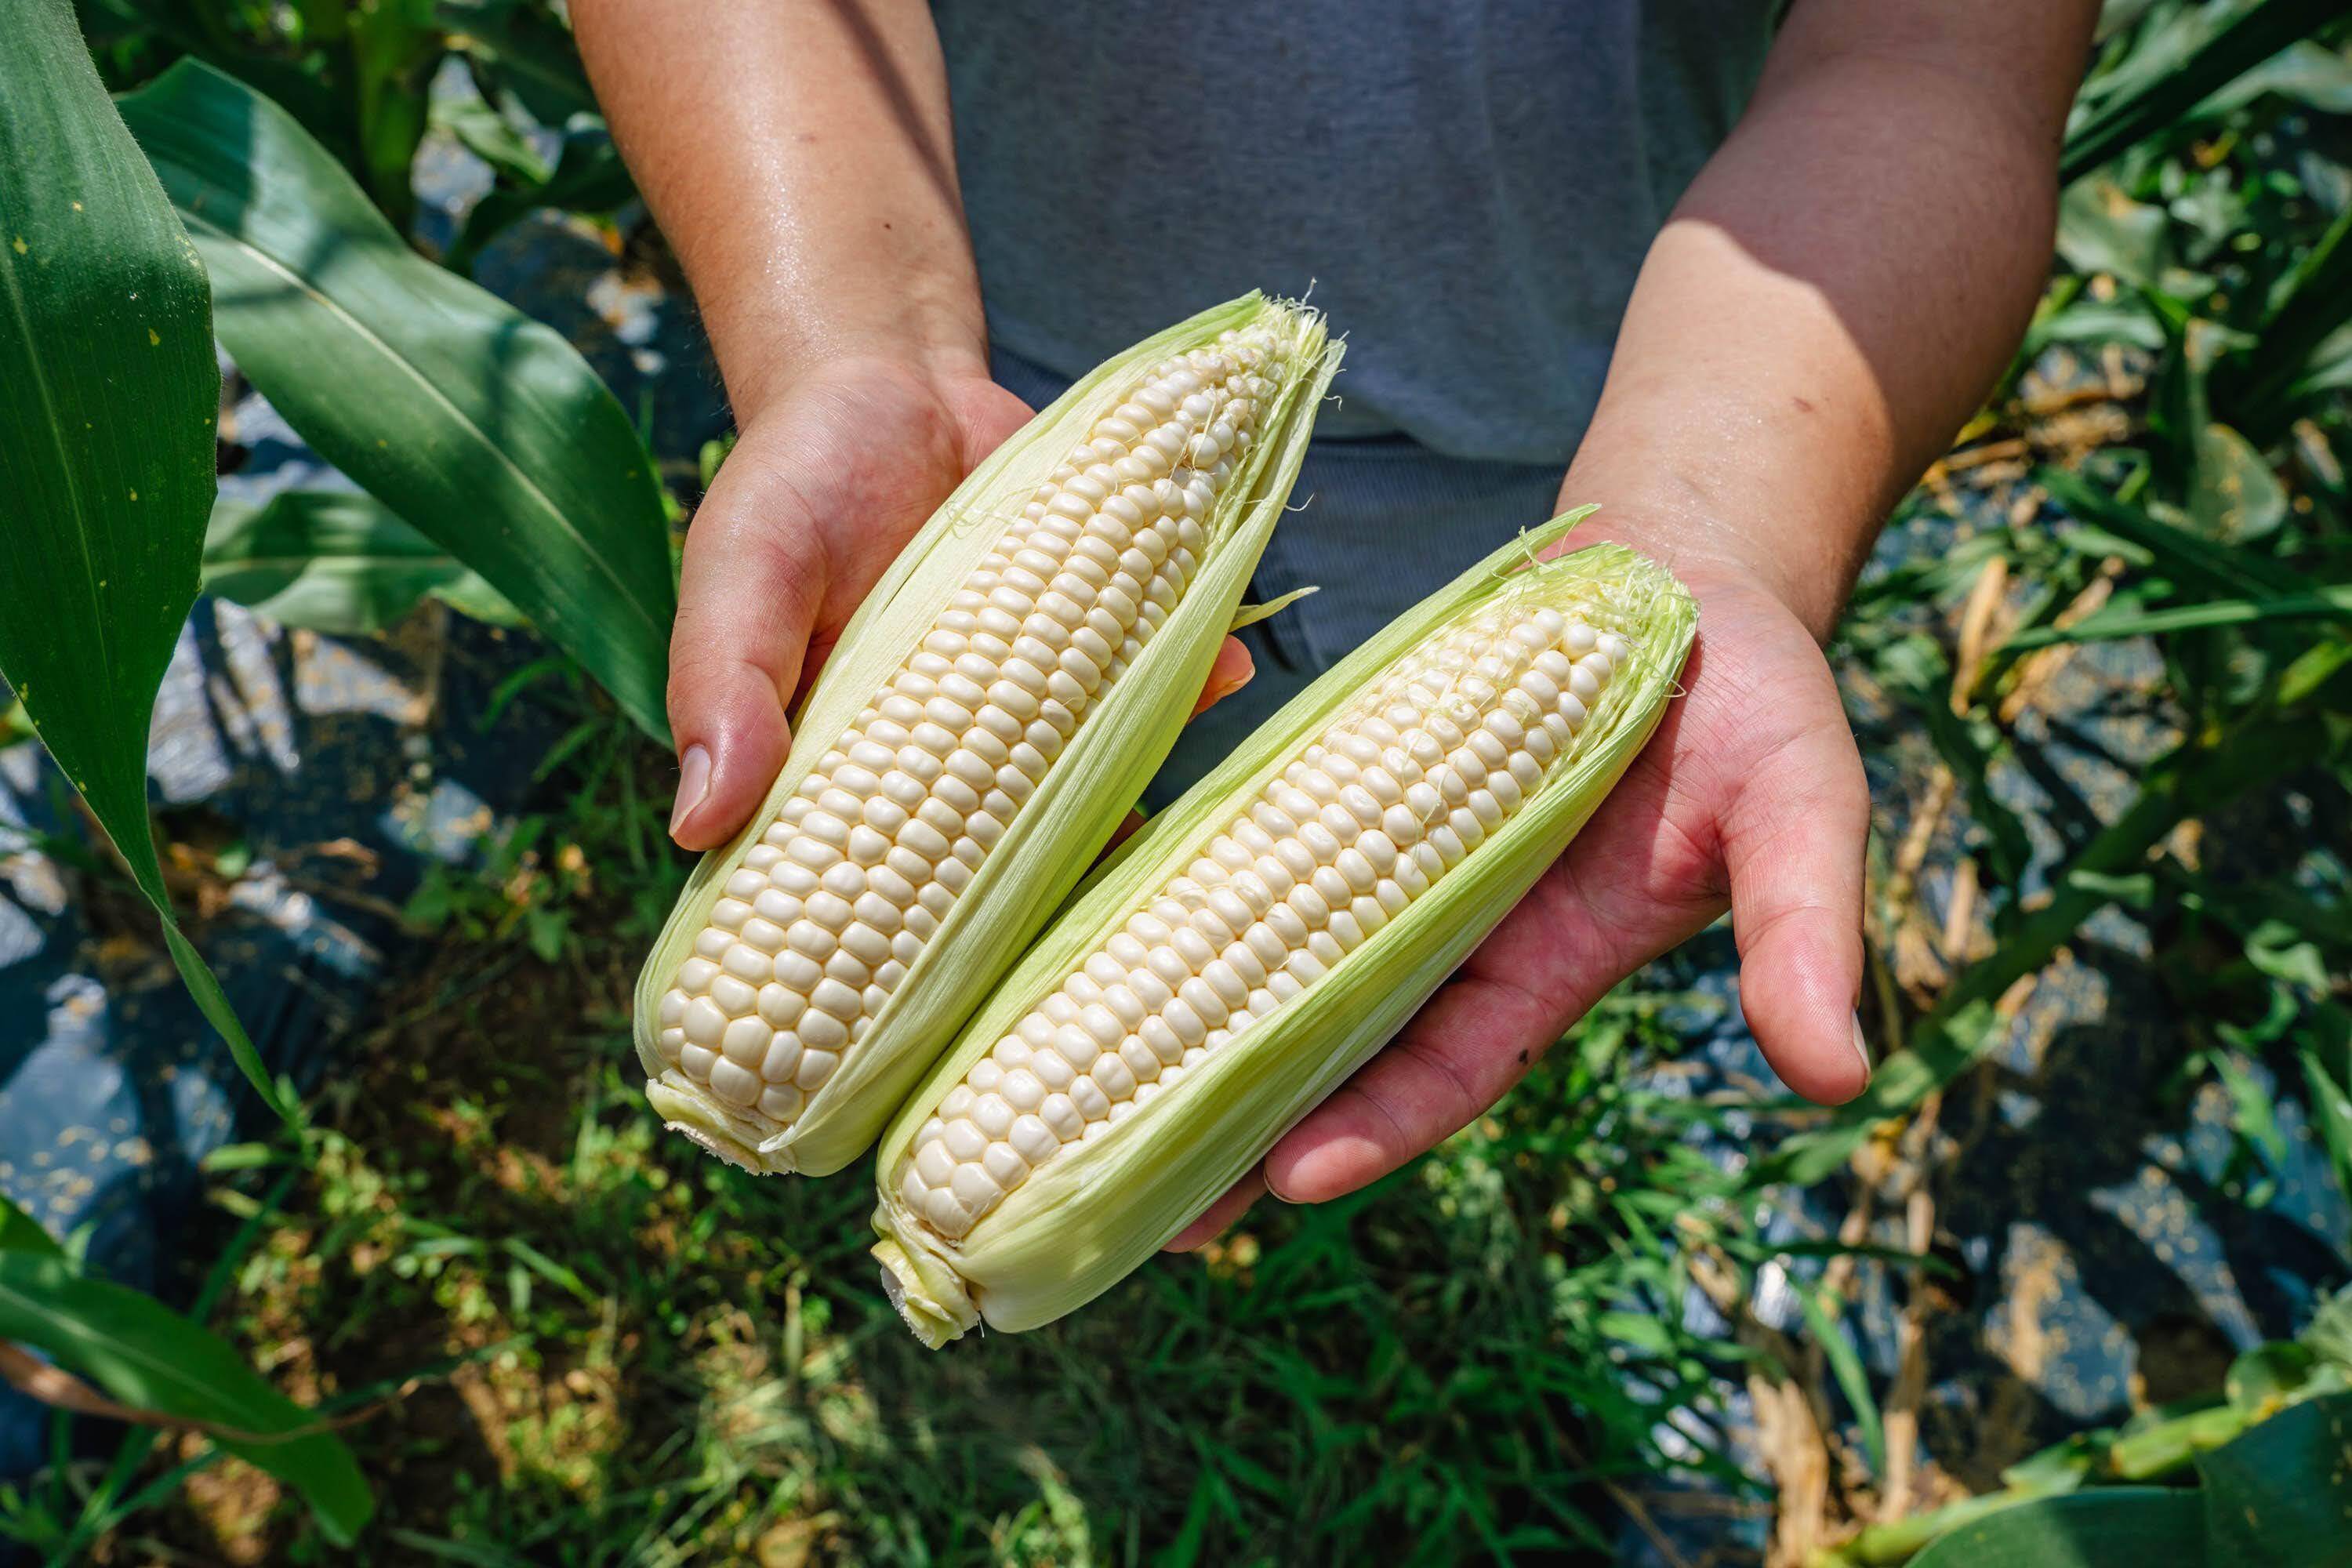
(604, 1347)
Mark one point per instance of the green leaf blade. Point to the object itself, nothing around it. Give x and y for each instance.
(143, 1353)
(2202, 52)
(109, 392)
(2111, 1527)
(480, 427)
(20, 1232)
(2283, 1491)
(338, 562)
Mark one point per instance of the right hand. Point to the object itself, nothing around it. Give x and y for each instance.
(825, 485)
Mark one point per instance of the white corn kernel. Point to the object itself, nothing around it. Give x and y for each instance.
(816, 930)
(1300, 877)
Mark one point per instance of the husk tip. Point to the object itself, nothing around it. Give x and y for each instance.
(931, 1301)
(704, 1125)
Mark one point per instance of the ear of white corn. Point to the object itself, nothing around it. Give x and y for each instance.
(1269, 932)
(993, 709)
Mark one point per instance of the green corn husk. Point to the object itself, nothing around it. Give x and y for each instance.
(1097, 1210)
(1120, 743)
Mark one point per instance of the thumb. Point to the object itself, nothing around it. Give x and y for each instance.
(748, 595)
(1793, 848)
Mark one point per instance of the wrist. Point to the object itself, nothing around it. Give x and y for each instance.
(789, 373)
(767, 356)
(1674, 518)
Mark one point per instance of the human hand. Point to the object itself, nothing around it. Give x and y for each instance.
(827, 483)
(1750, 796)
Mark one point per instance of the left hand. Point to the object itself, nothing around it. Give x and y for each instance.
(1750, 796)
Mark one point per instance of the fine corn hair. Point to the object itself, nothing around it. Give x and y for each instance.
(1260, 939)
(991, 710)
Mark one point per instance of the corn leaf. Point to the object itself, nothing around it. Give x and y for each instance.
(146, 1355)
(2330, 601)
(108, 390)
(2305, 347)
(2233, 496)
(20, 1232)
(588, 177)
(2331, 1107)
(521, 52)
(481, 428)
(2282, 1492)
(2199, 52)
(336, 562)
(2110, 1527)
(2218, 568)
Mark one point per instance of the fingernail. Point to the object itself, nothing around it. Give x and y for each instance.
(693, 784)
(1862, 1048)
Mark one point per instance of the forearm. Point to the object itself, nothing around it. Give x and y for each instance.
(1837, 290)
(798, 158)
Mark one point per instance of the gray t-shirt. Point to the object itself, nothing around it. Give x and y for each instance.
(1467, 188)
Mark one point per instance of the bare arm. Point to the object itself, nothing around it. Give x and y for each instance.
(1826, 305)
(1837, 290)
(798, 157)
(799, 161)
